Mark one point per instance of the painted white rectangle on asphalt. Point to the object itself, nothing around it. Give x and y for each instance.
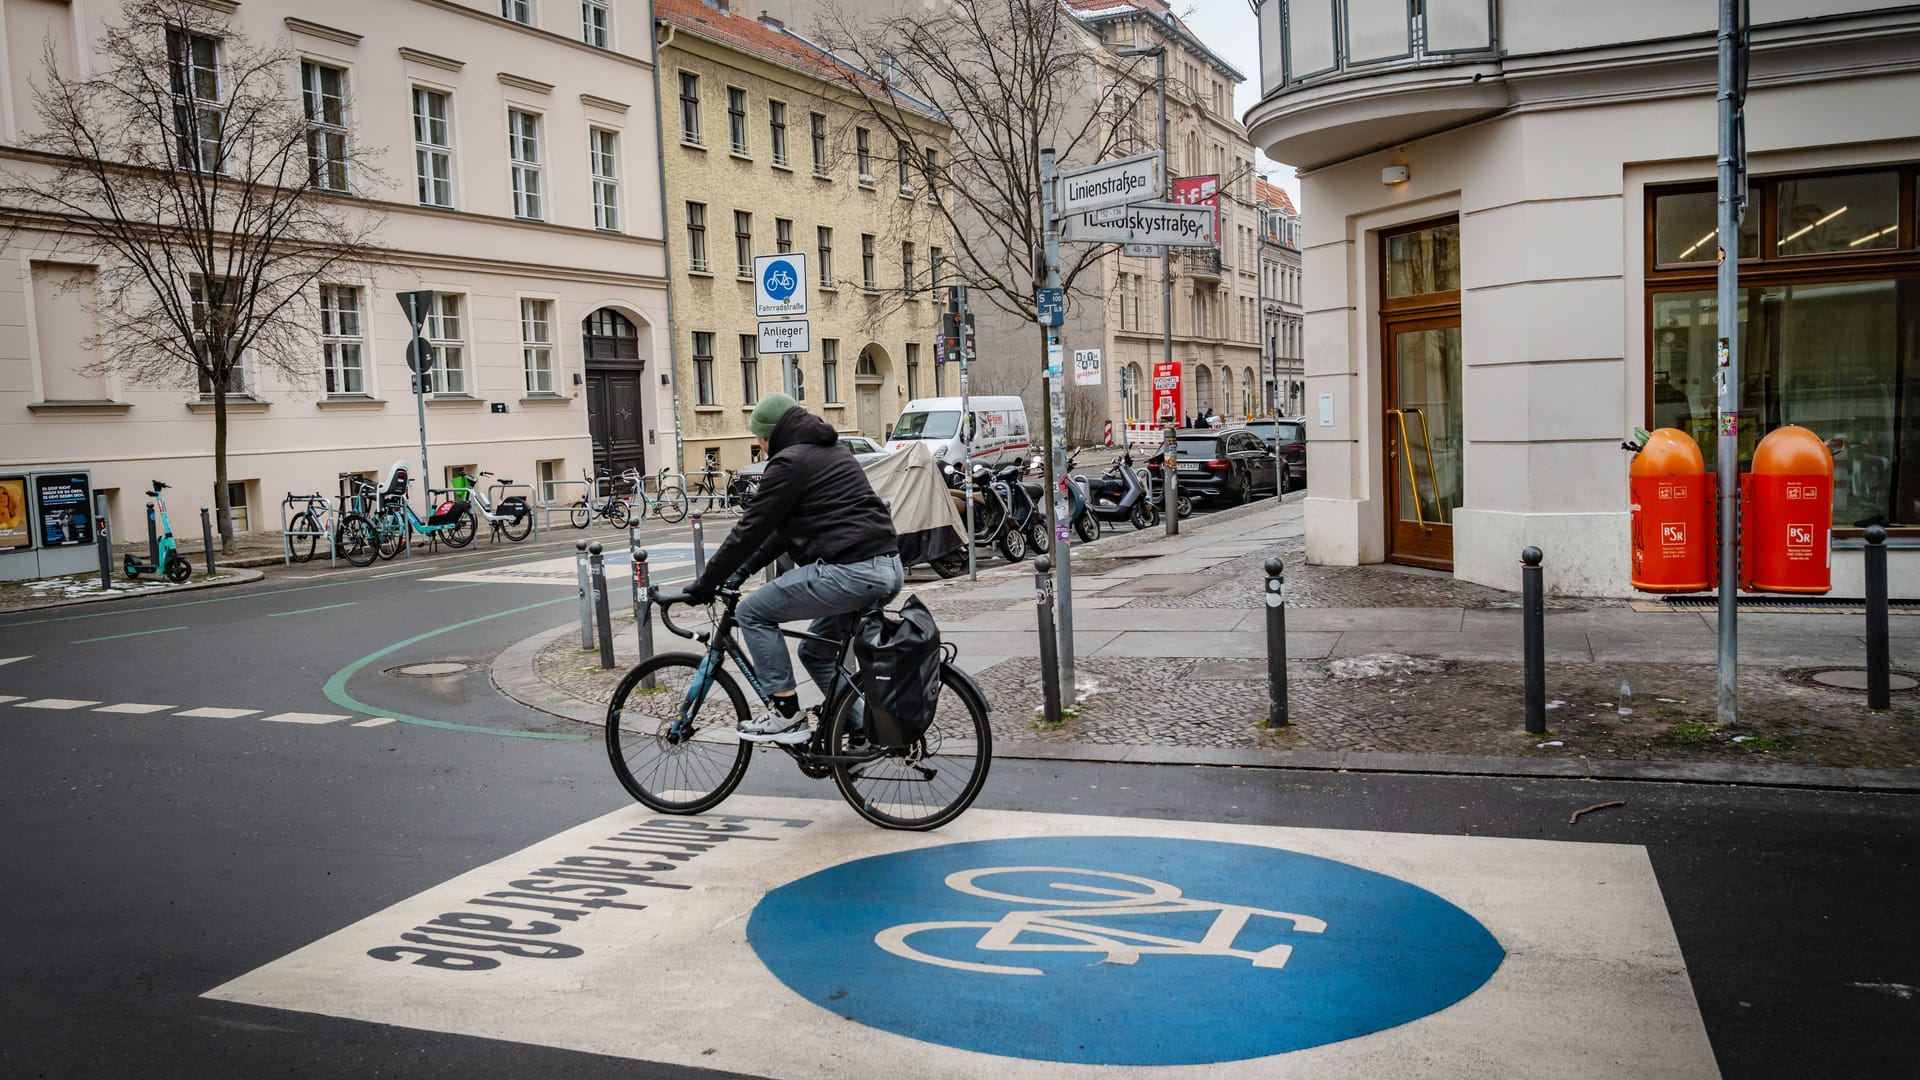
(661, 558)
(55, 703)
(213, 713)
(305, 718)
(579, 942)
(133, 708)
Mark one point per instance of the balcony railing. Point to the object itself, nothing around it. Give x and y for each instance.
(1201, 262)
(1307, 41)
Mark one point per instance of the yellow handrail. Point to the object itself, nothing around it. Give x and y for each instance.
(1412, 481)
(1433, 475)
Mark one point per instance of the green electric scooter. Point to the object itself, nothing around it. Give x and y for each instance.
(169, 560)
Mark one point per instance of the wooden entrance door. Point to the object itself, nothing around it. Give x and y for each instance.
(1422, 444)
(613, 385)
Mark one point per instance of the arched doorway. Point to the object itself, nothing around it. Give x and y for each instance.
(1134, 393)
(869, 374)
(1227, 401)
(1202, 389)
(611, 345)
(1246, 391)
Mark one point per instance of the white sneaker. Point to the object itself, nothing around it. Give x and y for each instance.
(771, 727)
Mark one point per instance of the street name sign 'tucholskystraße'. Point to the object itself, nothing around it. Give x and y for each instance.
(1144, 223)
(1111, 183)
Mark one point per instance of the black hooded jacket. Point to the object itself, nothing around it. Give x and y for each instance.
(814, 505)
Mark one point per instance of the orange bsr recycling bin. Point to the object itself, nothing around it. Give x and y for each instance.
(1673, 519)
(1787, 514)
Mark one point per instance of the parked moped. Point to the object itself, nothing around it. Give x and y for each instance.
(1120, 495)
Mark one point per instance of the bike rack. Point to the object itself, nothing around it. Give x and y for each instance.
(330, 524)
(547, 508)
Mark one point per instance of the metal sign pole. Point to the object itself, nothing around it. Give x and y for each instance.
(966, 425)
(1057, 428)
(1730, 200)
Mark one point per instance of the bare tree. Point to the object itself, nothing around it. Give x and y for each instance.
(213, 187)
(1012, 77)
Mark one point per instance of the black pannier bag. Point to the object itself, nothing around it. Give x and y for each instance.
(899, 662)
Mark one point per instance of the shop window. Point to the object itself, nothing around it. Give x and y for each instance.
(1424, 261)
(1686, 227)
(1854, 213)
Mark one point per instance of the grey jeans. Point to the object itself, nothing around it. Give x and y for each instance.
(831, 594)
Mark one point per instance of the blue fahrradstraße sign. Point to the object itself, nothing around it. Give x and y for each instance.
(1120, 950)
(780, 285)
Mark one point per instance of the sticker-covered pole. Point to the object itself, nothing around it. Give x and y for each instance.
(1731, 198)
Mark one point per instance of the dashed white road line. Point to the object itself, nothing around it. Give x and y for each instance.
(218, 714)
(134, 708)
(55, 703)
(375, 722)
(5, 660)
(305, 718)
(4, 698)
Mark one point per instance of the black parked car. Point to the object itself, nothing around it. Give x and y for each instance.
(1290, 433)
(746, 482)
(1232, 464)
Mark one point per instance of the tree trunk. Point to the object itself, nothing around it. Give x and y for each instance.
(222, 505)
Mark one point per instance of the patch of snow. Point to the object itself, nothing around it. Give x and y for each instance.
(1379, 664)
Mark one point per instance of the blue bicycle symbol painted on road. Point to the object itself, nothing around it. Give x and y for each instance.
(780, 281)
(1120, 950)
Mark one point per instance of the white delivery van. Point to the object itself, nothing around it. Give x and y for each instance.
(999, 428)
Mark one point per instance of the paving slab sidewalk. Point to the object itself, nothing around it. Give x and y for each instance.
(1389, 669)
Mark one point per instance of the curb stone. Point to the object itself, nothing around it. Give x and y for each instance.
(227, 576)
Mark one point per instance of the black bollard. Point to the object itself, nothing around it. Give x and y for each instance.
(1276, 645)
(597, 566)
(1049, 649)
(699, 546)
(1533, 645)
(642, 612)
(585, 583)
(101, 531)
(1878, 688)
(206, 538)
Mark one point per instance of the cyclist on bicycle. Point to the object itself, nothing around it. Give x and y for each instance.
(816, 507)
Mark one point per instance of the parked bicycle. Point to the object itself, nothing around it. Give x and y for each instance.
(674, 745)
(600, 502)
(710, 491)
(307, 526)
(398, 521)
(357, 538)
(668, 502)
(513, 518)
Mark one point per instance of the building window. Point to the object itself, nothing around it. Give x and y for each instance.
(867, 280)
(830, 369)
(777, 131)
(743, 244)
(697, 237)
(523, 153)
(199, 110)
(323, 95)
(702, 367)
(782, 235)
(863, 154)
(817, 125)
(737, 120)
(520, 11)
(593, 24)
(442, 331)
(826, 257)
(690, 108)
(906, 269)
(1829, 329)
(913, 370)
(603, 154)
(749, 370)
(904, 167)
(536, 344)
(931, 168)
(213, 302)
(340, 340)
(432, 147)
(237, 505)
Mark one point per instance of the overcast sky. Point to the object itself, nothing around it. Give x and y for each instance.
(1230, 30)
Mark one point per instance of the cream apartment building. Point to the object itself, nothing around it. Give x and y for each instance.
(520, 185)
(767, 153)
(1281, 316)
(1512, 254)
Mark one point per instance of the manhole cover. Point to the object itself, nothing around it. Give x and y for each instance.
(1856, 679)
(429, 670)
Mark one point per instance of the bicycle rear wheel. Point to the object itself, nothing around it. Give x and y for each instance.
(925, 785)
(518, 528)
(301, 547)
(582, 514)
(393, 532)
(618, 512)
(672, 504)
(670, 765)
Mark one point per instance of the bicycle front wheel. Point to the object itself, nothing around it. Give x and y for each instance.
(672, 738)
(393, 533)
(617, 513)
(464, 529)
(300, 547)
(358, 540)
(672, 504)
(927, 784)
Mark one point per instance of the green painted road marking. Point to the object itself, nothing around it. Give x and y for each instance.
(336, 688)
(469, 585)
(303, 611)
(136, 633)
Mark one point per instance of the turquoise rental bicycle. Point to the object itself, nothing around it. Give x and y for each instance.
(397, 521)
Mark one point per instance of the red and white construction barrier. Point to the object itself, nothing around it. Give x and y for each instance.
(1106, 438)
(1143, 435)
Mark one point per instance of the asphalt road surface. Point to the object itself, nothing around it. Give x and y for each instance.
(205, 798)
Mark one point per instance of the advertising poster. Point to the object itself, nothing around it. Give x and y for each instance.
(1166, 393)
(16, 528)
(1200, 191)
(65, 508)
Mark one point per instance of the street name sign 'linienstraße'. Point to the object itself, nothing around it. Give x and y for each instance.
(1145, 223)
(1112, 183)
